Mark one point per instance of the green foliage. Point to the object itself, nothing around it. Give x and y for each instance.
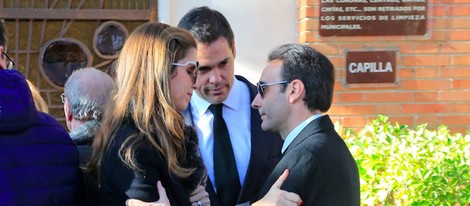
(403, 166)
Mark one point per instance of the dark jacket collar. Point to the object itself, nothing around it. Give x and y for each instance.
(316, 126)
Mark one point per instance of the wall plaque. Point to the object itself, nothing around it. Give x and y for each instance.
(373, 17)
(370, 67)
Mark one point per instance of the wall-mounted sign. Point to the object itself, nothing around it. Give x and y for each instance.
(370, 67)
(372, 17)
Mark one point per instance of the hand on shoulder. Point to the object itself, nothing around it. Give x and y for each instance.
(276, 196)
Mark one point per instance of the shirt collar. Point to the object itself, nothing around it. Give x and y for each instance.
(296, 131)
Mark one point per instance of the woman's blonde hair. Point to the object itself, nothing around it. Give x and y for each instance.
(39, 102)
(143, 72)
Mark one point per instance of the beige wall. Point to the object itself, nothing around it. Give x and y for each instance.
(259, 26)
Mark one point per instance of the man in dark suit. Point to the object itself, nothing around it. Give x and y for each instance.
(295, 89)
(250, 153)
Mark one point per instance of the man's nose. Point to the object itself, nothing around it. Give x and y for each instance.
(255, 103)
(215, 76)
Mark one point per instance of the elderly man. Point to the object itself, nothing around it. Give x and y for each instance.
(85, 94)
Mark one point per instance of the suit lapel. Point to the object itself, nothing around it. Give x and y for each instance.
(212, 195)
(256, 155)
(316, 126)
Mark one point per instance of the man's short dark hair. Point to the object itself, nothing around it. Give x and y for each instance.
(311, 67)
(207, 25)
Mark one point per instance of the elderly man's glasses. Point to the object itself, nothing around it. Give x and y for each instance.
(192, 72)
(9, 62)
(260, 86)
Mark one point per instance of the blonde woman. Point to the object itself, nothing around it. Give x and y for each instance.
(39, 102)
(143, 138)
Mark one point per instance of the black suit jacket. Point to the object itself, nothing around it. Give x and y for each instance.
(321, 168)
(265, 154)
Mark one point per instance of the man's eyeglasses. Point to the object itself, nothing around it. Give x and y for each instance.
(260, 86)
(62, 97)
(9, 62)
(194, 72)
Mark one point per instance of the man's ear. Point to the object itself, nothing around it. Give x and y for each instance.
(68, 113)
(234, 50)
(68, 116)
(2, 58)
(296, 90)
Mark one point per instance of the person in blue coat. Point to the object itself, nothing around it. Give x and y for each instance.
(38, 159)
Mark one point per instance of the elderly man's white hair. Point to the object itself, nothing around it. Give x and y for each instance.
(87, 91)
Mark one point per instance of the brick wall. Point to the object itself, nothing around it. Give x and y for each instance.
(433, 72)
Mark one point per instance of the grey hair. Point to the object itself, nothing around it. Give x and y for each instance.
(87, 91)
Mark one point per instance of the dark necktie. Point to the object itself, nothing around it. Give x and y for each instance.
(225, 168)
